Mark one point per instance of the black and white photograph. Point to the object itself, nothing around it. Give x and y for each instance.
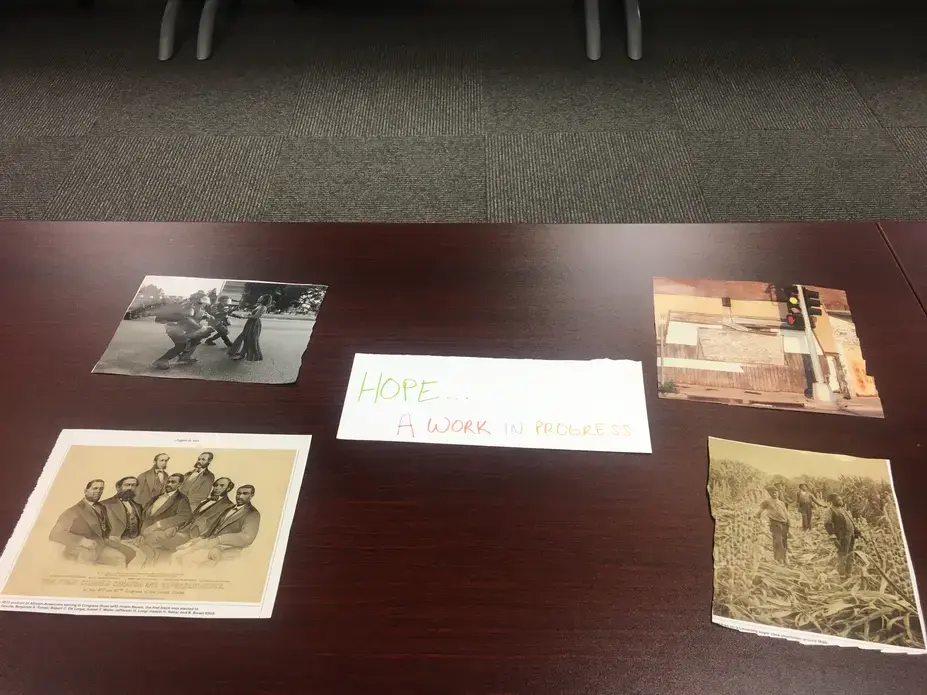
(220, 330)
(810, 547)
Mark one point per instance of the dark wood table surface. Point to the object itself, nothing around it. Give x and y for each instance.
(909, 244)
(451, 569)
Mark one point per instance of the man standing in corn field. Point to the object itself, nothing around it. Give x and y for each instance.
(806, 501)
(778, 517)
(841, 526)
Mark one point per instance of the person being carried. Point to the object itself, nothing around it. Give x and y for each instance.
(805, 503)
(186, 331)
(840, 525)
(778, 517)
(220, 322)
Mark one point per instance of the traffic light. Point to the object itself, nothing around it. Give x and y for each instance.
(812, 304)
(793, 315)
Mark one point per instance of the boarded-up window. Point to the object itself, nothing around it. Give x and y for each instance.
(742, 347)
(681, 333)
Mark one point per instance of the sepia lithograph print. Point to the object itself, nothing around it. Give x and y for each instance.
(756, 344)
(810, 547)
(150, 523)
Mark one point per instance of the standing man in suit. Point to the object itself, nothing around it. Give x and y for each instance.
(234, 531)
(202, 518)
(84, 531)
(151, 483)
(198, 482)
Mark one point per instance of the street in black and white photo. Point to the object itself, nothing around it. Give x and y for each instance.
(225, 330)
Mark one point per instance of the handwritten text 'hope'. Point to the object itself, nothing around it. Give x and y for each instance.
(390, 389)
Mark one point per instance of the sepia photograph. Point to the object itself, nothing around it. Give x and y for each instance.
(791, 347)
(810, 547)
(152, 523)
(207, 328)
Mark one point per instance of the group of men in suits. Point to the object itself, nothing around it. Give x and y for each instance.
(156, 515)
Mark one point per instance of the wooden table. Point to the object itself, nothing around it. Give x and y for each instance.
(909, 244)
(441, 569)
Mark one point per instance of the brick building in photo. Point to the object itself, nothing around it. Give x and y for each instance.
(718, 338)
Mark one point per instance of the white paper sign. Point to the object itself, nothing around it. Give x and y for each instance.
(593, 405)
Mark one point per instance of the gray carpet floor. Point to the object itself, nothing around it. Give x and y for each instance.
(464, 116)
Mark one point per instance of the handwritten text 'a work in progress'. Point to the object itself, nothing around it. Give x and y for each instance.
(447, 425)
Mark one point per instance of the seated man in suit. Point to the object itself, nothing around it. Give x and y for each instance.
(167, 511)
(84, 531)
(201, 519)
(124, 516)
(234, 531)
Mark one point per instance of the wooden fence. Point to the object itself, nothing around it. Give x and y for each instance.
(794, 376)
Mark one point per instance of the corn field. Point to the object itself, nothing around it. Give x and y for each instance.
(876, 603)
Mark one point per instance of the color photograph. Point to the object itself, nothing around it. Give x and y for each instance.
(791, 347)
(810, 547)
(146, 520)
(222, 330)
